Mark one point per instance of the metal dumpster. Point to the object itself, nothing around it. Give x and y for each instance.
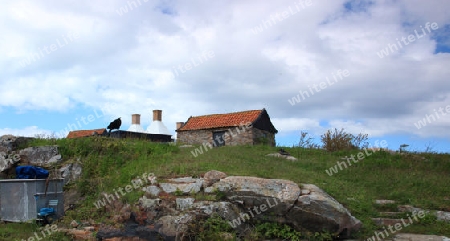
(20, 199)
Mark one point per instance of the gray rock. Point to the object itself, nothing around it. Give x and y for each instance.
(280, 201)
(184, 203)
(149, 203)
(209, 190)
(250, 190)
(55, 159)
(186, 188)
(305, 192)
(185, 146)
(319, 211)
(226, 210)
(40, 155)
(7, 161)
(384, 202)
(443, 216)
(152, 190)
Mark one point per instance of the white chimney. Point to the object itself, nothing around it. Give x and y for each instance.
(157, 126)
(136, 124)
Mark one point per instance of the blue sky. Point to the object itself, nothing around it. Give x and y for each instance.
(376, 67)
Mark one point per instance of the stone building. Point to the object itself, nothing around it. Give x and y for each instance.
(238, 128)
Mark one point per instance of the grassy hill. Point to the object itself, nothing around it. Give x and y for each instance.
(421, 180)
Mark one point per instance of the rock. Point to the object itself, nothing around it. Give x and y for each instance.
(209, 190)
(225, 210)
(319, 211)
(443, 216)
(212, 177)
(173, 226)
(152, 190)
(185, 146)
(70, 172)
(384, 202)
(7, 161)
(305, 192)
(254, 191)
(280, 200)
(152, 178)
(149, 203)
(288, 157)
(184, 203)
(185, 188)
(10, 143)
(248, 199)
(55, 159)
(41, 155)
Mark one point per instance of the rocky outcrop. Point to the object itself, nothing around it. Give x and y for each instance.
(42, 155)
(245, 200)
(284, 201)
(10, 143)
(318, 210)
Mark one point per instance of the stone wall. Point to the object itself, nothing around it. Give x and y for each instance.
(240, 135)
(263, 137)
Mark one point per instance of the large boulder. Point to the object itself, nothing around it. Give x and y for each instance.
(283, 201)
(41, 155)
(277, 194)
(317, 210)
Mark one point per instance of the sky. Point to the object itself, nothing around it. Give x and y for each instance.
(375, 67)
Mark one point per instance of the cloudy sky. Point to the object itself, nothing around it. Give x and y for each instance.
(377, 67)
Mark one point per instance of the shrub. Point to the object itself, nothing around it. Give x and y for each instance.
(339, 140)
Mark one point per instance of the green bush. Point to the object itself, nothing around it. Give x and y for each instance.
(339, 140)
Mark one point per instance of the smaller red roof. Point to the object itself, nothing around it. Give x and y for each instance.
(84, 133)
(221, 120)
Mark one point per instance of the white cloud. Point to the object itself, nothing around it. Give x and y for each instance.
(128, 61)
(29, 131)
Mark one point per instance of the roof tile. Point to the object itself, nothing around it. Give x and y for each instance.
(84, 133)
(221, 120)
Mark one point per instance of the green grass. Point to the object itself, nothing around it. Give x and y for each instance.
(24, 231)
(420, 180)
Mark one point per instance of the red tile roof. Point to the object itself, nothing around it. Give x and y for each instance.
(84, 133)
(221, 120)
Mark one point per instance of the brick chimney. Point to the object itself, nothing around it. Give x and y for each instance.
(179, 125)
(157, 115)
(136, 119)
(136, 124)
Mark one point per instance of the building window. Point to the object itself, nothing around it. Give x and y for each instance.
(218, 138)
